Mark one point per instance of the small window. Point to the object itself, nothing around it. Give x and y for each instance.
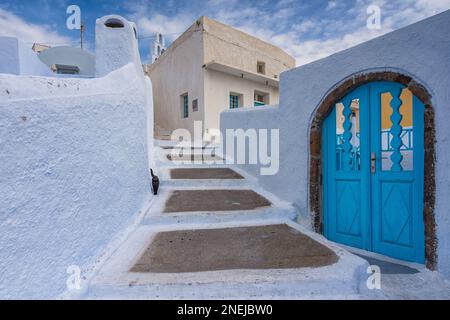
(184, 106)
(65, 69)
(195, 105)
(235, 100)
(261, 67)
(114, 23)
(261, 99)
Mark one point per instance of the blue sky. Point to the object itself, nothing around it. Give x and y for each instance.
(308, 30)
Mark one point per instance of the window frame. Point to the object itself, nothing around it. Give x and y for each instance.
(195, 105)
(265, 98)
(184, 99)
(261, 64)
(238, 100)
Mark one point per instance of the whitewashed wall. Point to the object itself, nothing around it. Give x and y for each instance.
(73, 173)
(219, 85)
(421, 51)
(71, 56)
(17, 57)
(115, 47)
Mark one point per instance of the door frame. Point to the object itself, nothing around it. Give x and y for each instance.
(321, 112)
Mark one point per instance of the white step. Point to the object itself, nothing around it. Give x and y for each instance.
(278, 211)
(344, 279)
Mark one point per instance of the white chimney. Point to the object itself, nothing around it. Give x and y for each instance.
(116, 44)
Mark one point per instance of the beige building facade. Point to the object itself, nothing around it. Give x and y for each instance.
(212, 67)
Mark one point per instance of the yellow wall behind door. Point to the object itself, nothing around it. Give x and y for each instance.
(405, 110)
(386, 112)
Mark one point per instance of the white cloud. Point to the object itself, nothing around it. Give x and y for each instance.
(171, 26)
(12, 25)
(331, 5)
(305, 26)
(312, 50)
(342, 32)
(288, 24)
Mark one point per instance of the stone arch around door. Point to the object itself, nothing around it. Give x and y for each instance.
(315, 152)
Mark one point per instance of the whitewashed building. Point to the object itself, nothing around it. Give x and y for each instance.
(212, 67)
(70, 146)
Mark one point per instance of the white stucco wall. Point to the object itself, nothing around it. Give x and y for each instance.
(219, 85)
(17, 57)
(176, 72)
(118, 46)
(233, 47)
(73, 173)
(71, 56)
(421, 51)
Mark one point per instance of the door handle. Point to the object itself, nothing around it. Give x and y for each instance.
(373, 162)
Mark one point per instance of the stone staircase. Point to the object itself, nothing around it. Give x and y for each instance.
(231, 225)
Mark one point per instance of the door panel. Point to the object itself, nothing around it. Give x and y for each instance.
(348, 211)
(397, 184)
(396, 214)
(381, 209)
(346, 132)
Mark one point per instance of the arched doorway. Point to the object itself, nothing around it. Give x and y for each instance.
(398, 150)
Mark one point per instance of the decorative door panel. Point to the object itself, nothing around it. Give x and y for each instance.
(346, 132)
(397, 183)
(373, 171)
(396, 214)
(348, 210)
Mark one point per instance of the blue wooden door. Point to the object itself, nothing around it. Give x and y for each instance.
(373, 171)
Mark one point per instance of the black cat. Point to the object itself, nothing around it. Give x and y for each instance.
(155, 183)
